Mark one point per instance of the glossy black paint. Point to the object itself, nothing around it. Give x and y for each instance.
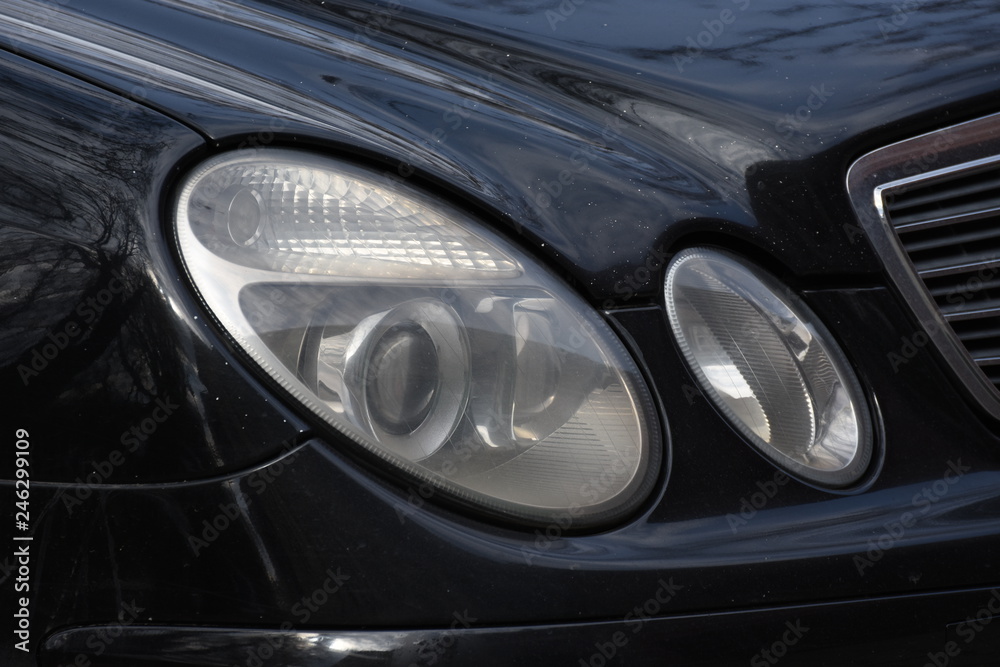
(502, 114)
(100, 351)
(814, 635)
(658, 153)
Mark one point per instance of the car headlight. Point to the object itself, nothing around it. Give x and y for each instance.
(423, 337)
(770, 366)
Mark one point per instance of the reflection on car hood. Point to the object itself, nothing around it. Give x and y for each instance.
(602, 134)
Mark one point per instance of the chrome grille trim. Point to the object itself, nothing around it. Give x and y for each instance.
(948, 220)
(925, 204)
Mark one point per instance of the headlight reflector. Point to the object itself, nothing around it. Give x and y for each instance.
(423, 337)
(770, 366)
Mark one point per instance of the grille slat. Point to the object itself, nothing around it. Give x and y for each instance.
(950, 230)
(956, 314)
(952, 265)
(946, 221)
(976, 333)
(949, 197)
(953, 290)
(931, 203)
(984, 230)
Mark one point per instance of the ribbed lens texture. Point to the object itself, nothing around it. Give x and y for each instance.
(424, 338)
(776, 405)
(314, 221)
(770, 366)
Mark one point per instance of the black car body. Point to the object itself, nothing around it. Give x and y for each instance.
(183, 509)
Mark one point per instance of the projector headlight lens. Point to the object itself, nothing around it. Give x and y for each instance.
(420, 335)
(770, 366)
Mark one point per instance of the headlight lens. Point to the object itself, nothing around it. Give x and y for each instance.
(423, 337)
(770, 366)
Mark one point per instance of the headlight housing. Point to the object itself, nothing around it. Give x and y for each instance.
(770, 366)
(425, 338)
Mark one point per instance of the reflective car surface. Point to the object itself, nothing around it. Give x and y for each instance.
(577, 332)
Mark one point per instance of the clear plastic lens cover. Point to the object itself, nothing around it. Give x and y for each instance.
(420, 335)
(770, 366)
(307, 219)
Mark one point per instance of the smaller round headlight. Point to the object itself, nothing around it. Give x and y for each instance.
(770, 366)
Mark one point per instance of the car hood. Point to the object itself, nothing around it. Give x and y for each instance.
(603, 135)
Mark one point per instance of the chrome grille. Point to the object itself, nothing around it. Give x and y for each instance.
(931, 207)
(951, 232)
